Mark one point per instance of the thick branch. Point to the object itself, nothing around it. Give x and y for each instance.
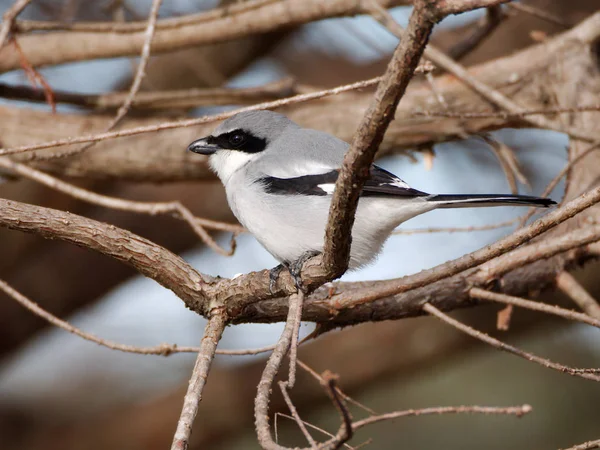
(368, 137)
(149, 259)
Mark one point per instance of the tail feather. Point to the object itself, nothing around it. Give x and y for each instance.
(475, 200)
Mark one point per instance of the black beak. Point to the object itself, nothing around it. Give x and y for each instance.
(202, 147)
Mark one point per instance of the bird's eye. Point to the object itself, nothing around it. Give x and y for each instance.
(237, 139)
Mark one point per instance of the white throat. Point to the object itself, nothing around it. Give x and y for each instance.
(226, 162)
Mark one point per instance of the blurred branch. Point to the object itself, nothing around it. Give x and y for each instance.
(159, 157)
(589, 374)
(174, 208)
(493, 18)
(567, 283)
(539, 13)
(8, 19)
(484, 90)
(213, 26)
(535, 306)
(162, 100)
(212, 335)
(137, 79)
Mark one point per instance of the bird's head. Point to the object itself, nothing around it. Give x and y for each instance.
(241, 139)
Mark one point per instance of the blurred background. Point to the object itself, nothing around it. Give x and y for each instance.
(60, 392)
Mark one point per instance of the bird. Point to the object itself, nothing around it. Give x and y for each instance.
(279, 180)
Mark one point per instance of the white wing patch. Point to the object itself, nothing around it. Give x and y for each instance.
(329, 188)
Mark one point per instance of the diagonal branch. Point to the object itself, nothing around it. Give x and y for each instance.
(368, 137)
(212, 336)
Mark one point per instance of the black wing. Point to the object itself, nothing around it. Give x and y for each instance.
(380, 183)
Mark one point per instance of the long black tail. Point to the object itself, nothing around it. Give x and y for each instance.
(476, 200)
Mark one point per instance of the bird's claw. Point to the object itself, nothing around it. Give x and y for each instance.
(295, 269)
(273, 276)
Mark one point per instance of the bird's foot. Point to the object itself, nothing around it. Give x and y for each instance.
(295, 268)
(274, 275)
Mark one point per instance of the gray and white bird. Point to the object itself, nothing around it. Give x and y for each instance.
(280, 177)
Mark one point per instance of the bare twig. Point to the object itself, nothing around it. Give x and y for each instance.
(175, 208)
(170, 99)
(346, 431)
(569, 286)
(589, 374)
(341, 393)
(540, 14)
(219, 25)
(314, 427)
(518, 411)
(534, 306)
(493, 96)
(284, 386)
(493, 18)
(554, 182)
(212, 336)
(261, 402)
(135, 85)
(34, 76)
(8, 19)
(506, 114)
(493, 226)
(190, 122)
(162, 349)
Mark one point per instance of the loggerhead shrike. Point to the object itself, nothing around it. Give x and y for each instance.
(280, 177)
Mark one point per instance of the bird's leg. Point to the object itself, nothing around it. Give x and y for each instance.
(274, 275)
(295, 268)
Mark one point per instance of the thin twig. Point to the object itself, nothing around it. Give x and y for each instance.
(507, 114)
(8, 19)
(456, 229)
(314, 427)
(135, 85)
(569, 286)
(518, 411)
(212, 336)
(34, 76)
(346, 431)
(175, 208)
(284, 386)
(493, 18)
(162, 349)
(534, 306)
(341, 393)
(540, 14)
(263, 395)
(168, 99)
(491, 95)
(300, 98)
(589, 374)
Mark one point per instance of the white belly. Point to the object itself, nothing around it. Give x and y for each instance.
(289, 226)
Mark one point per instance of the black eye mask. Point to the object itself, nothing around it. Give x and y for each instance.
(239, 140)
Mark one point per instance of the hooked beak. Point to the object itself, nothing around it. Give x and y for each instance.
(202, 147)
